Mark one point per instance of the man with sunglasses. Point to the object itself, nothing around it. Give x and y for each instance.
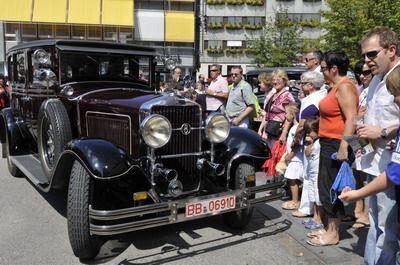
(217, 92)
(381, 120)
(312, 61)
(240, 103)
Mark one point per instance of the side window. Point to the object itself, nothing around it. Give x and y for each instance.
(41, 72)
(20, 63)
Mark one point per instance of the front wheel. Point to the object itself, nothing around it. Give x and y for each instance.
(240, 218)
(83, 244)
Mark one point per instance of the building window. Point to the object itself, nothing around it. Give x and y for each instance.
(149, 4)
(125, 34)
(110, 33)
(29, 31)
(78, 32)
(62, 31)
(180, 6)
(45, 31)
(94, 32)
(235, 20)
(11, 31)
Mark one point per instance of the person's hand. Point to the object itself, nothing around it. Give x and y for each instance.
(309, 140)
(235, 121)
(260, 132)
(263, 112)
(371, 132)
(342, 154)
(282, 138)
(349, 195)
(289, 157)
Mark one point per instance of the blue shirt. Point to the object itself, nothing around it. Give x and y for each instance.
(393, 169)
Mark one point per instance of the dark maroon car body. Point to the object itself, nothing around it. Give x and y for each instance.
(74, 123)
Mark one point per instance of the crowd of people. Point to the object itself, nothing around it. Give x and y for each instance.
(335, 110)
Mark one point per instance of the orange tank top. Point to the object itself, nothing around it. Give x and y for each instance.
(331, 123)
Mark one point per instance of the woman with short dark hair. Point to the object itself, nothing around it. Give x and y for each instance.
(338, 111)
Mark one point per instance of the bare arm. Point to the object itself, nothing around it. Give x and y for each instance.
(347, 99)
(237, 120)
(380, 183)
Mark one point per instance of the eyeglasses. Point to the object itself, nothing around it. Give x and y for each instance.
(235, 74)
(214, 70)
(371, 54)
(304, 83)
(366, 72)
(309, 59)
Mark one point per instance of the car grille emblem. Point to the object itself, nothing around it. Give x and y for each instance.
(186, 128)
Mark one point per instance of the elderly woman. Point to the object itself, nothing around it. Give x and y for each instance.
(273, 127)
(338, 111)
(312, 85)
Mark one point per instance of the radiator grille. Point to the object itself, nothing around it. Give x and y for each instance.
(181, 144)
(111, 127)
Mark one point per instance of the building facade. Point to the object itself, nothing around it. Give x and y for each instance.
(227, 26)
(167, 25)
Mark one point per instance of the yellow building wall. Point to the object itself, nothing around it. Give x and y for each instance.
(179, 26)
(16, 10)
(50, 11)
(84, 11)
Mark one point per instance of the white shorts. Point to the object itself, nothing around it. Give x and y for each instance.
(313, 193)
(294, 170)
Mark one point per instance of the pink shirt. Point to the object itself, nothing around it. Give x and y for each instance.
(217, 85)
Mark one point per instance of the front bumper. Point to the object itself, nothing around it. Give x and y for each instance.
(173, 211)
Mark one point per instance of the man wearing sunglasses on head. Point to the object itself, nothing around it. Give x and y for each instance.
(381, 120)
(217, 92)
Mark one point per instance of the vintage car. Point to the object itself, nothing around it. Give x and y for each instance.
(88, 117)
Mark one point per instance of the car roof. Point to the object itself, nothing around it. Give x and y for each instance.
(288, 70)
(87, 46)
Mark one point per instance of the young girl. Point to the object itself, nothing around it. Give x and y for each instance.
(294, 170)
(311, 166)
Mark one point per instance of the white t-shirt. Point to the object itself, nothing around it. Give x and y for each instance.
(299, 155)
(311, 167)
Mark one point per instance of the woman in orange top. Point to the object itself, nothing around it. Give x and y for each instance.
(338, 111)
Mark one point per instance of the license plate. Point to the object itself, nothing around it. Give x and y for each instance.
(213, 205)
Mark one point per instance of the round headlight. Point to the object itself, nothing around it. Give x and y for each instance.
(217, 128)
(156, 130)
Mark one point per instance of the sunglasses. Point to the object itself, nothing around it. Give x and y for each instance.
(214, 70)
(366, 72)
(235, 74)
(304, 83)
(324, 68)
(309, 59)
(371, 54)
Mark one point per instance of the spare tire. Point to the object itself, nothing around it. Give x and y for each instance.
(54, 132)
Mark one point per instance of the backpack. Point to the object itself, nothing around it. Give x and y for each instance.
(257, 109)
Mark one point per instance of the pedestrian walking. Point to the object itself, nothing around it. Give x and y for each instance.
(217, 91)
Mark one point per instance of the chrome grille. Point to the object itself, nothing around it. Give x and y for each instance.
(115, 128)
(182, 144)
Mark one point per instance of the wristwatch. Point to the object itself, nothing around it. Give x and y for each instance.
(384, 133)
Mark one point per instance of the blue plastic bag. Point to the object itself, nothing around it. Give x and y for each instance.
(343, 179)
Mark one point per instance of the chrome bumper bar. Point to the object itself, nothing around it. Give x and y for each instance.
(171, 211)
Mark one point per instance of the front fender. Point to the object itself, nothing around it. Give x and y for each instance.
(101, 158)
(242, 143)
(15, 133)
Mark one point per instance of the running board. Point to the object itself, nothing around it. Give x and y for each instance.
(30, 166)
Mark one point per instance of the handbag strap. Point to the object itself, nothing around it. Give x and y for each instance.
(270, 102)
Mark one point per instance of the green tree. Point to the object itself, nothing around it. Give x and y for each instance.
(278, 43)
(346, 22)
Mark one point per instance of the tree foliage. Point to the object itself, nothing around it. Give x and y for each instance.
(278, 44)
(348, 21)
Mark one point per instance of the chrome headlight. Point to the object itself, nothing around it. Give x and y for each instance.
(156, 130)
(217, 128)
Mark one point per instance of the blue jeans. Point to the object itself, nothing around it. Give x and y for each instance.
(382, 244)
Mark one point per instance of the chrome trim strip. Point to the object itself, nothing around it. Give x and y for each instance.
(183, 155)
(111, 114)
(113, 88)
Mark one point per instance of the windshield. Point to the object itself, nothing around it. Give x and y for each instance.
(110, 67)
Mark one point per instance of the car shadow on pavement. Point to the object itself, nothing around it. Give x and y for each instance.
(179, 241)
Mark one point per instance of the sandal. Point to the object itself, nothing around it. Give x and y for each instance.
(290, 205)
(300, 214)
(319, 242)
(360, 224)
(316, 233)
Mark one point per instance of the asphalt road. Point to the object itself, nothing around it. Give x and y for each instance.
(33, 230)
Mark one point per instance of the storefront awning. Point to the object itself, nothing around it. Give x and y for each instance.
(50, 11)
(16, 10)
(84, 11)
(117, 12)
(179, 26)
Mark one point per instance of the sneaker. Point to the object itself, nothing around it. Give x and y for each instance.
(308, 221)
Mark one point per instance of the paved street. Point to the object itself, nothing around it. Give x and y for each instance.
(33, 230)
